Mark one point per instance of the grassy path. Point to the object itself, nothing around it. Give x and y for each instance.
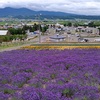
(15, 46)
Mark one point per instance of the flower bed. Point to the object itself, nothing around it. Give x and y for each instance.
(50, 74)
(60, 47)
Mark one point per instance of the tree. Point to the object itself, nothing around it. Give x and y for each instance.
(76, 25)
(65, 24)
(36, 27)
(44, 29)
(69, 24)
(18, 31)
(91, 24)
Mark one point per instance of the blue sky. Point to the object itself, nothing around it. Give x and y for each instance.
(86, 7)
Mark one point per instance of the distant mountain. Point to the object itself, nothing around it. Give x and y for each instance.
(30, 14)
(27, 12)
(15, 12)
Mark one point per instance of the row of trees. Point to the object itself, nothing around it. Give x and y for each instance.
(76, 24)
(35, 27)
(20, 33)
(8, 38)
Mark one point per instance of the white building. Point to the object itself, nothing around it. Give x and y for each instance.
(3, 32)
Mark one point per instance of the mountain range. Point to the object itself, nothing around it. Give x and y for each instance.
(31, 14)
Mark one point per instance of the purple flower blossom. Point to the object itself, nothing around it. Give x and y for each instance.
(50, 74)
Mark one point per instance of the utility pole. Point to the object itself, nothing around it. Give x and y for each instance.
(39, 28)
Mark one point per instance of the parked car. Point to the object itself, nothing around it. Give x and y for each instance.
(86, 40)
(82, 39)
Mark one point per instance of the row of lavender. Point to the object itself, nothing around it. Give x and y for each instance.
(50, 75)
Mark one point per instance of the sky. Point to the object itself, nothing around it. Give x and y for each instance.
(84, 7)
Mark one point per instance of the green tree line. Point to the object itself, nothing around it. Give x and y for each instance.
(20, 33)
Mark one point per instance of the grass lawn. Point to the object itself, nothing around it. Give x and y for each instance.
(67, 44)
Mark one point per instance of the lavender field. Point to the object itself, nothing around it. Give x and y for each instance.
(50, 74)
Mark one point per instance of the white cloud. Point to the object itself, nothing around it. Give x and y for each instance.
(88, 7)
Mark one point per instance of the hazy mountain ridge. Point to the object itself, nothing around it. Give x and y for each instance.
(27, 13)
(24, 11)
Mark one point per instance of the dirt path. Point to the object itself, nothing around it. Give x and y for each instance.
(15, 47)
(19, 46)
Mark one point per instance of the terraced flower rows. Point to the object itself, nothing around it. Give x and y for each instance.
(50, 74)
